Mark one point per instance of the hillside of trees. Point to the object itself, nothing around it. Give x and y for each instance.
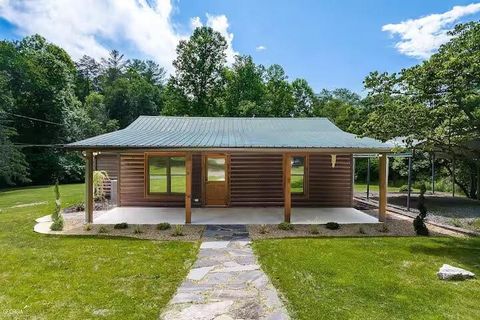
(47, 100)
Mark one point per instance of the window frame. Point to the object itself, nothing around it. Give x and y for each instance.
(169, 155)
(305, 157)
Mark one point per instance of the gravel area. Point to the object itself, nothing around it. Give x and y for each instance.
(459, 212)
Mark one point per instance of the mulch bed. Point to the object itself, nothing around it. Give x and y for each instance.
(391, 228)
(150, 232)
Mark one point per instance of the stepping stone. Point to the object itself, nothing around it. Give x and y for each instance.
(214, 244)
(198, 273)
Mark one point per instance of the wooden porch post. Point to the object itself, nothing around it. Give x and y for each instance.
(287, 195)
(188, 188)
(383, 179)
(88, 187)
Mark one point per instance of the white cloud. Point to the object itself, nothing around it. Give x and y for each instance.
(261, 48)
(420, 38)
(82, 27)
(218, 23)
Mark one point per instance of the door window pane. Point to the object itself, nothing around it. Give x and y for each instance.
(216, 169)
(297, 182)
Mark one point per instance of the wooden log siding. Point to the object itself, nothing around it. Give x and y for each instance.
(256, 179)
(327, 186)
(132, 184)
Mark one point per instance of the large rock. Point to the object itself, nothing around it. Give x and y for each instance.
(448, 272)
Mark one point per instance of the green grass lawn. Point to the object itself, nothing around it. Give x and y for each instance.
(52, 277)
(362, 187)
(373, 278)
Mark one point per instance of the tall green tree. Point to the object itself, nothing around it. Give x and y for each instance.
(41, 80)
(436, 102)
(245, 90)
(198, 77)
(304, 98)
(113, 67)
(13, 166)
(87, 77)
(341, 106)
(279, 93)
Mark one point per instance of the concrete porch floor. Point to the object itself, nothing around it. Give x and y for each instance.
(244, 215)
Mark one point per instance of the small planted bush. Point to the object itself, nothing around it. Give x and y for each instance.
(285, 226)
(57, 217)
(383, 228)
(137, 229)
(163, 226)
(263, 229)
(361, 231)
(403, 188)
(87, 227)
(419, 222)
(332, 226)
(103, 229)
(456, 222)
(178, 231)
(314, 229)
(57, 225)
(122, 225)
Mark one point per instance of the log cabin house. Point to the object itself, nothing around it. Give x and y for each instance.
(160, 161)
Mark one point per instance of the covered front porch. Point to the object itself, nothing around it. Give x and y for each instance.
(237, 215)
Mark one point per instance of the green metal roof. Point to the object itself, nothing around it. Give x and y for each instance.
(202, 132)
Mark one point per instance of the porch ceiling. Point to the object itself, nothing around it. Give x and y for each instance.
(243, 215)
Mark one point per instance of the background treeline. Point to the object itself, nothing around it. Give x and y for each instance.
(47, 100)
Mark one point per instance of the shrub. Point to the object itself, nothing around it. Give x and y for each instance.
(57, 217)
(476, 223)
(103, 229)
(137, 229)
(332, 226)
(98, 179)
(403, 188)
(163, 226)
(57, 225)
(122, 225)
(178, 231)
(285, 226)
(361, 230)
(456, 222)
(383, 228)
(314, 229)
(419, 222)
(263, 229)
(87, 227)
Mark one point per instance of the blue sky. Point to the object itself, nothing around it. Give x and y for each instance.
(332, 44)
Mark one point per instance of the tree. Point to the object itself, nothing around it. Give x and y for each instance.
(437, 102)
(199, 72)
(150, 70)
(113, 67)
(341, 106)
(41, 80)
(131, 96)
(245, 90)
(13, 167)
(87, 78)
(304, 98)
(279, 96)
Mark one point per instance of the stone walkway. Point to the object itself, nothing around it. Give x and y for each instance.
(225, 282)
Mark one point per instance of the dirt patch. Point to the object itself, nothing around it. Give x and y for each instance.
(150, 232)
